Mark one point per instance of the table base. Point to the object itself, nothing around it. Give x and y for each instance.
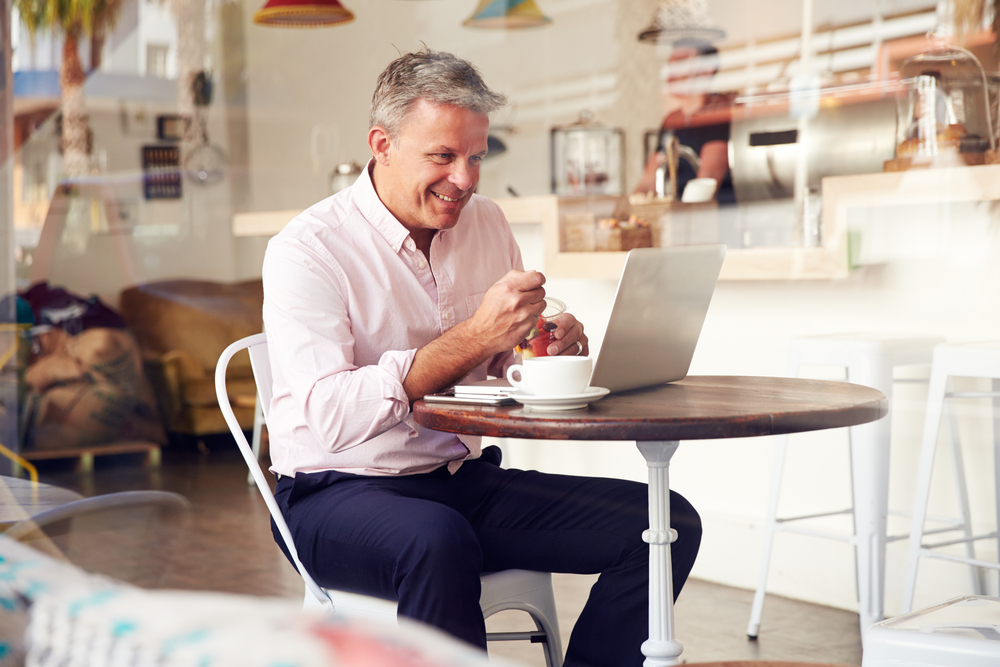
(661, 649)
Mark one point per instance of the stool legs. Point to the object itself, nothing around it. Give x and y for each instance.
(769, 529)
(870, 475)
(869, 447)
(932, 422)
(965, 516)
(936, 408)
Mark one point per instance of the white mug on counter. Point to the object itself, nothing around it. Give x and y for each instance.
(551, 376)
(699, 190)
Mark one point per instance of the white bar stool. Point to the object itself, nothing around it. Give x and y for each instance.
(869, 360)
(975, 360)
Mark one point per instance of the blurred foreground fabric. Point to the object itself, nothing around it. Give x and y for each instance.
(53, 613)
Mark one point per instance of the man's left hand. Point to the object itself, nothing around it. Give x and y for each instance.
(568, 332)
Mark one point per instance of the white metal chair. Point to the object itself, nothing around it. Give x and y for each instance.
(522, 590)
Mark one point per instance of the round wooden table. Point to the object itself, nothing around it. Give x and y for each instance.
(657, 419)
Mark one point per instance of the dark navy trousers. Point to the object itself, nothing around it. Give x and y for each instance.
(424, 540)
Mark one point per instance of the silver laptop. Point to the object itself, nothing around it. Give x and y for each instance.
(662, 299)
(660, 305)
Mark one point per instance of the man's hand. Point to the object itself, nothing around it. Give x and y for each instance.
(568, 332)
(508, 311)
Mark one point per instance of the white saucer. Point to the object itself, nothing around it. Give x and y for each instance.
(574, 402)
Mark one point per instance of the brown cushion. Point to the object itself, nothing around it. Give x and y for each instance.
(196, 420)
(201, 391)
(199, 317)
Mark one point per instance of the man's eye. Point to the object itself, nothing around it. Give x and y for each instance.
(443, 157)
(476, 159)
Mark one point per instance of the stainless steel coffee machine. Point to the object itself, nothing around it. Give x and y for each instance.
(854, 137)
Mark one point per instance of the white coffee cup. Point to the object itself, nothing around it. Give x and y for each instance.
(551, 376)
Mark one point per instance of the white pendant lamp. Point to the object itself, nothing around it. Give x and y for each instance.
(682, 21)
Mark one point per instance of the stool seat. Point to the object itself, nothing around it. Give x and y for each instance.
(978, 359)
(972, 360)
(869, 359)
(834, 349)
(963, 632)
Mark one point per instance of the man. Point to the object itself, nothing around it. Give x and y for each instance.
(400, 286)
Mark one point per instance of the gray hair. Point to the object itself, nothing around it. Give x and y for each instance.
(434, 76)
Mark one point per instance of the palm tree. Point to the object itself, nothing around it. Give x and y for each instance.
(75, 19)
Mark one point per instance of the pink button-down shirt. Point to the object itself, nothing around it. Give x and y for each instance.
(348, 300)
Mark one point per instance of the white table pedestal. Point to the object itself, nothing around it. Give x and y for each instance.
(661, 649)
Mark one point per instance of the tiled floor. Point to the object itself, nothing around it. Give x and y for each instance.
(225, 545)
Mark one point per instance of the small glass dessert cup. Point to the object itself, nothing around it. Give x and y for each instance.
(537, 342)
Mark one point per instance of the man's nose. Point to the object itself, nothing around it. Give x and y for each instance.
(462, 175)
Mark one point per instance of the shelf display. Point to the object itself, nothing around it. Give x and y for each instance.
(588, 158)
(945, 107)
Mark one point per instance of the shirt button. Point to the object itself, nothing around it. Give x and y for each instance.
(446, 316)
(408, 244)
(422, 265)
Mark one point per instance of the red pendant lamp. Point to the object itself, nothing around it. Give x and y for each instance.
(302, 13)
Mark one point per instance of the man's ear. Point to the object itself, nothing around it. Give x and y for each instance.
(379, 143)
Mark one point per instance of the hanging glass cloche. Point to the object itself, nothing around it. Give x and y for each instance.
(944, 106)
(588, 158)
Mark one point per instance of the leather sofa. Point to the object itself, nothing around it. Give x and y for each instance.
(182, 326)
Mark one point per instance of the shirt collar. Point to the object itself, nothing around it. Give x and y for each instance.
(375, 212)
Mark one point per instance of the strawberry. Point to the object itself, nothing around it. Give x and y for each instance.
(540, 344)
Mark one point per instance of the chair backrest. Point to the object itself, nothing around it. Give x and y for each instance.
(128, 535)
(259, 360)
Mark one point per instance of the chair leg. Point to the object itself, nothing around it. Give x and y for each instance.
(932, 422)
(553, 647)
(769, 529)
(530, 592)
(958, 469)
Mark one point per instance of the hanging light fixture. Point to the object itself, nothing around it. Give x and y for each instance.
(302, 13)
(507, 14)
(681, 21)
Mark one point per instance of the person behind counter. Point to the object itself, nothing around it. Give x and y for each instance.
(699, 119)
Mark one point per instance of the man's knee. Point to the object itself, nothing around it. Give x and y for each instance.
(444, 544)
(684, 518)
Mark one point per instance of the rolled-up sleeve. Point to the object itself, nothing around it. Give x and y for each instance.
(311, 344)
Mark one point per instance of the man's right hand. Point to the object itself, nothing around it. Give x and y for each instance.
(509, 310)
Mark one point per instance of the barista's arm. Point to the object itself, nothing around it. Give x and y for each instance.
(648, 181)
(714, 160)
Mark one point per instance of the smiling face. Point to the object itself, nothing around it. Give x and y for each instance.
(427, 173)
